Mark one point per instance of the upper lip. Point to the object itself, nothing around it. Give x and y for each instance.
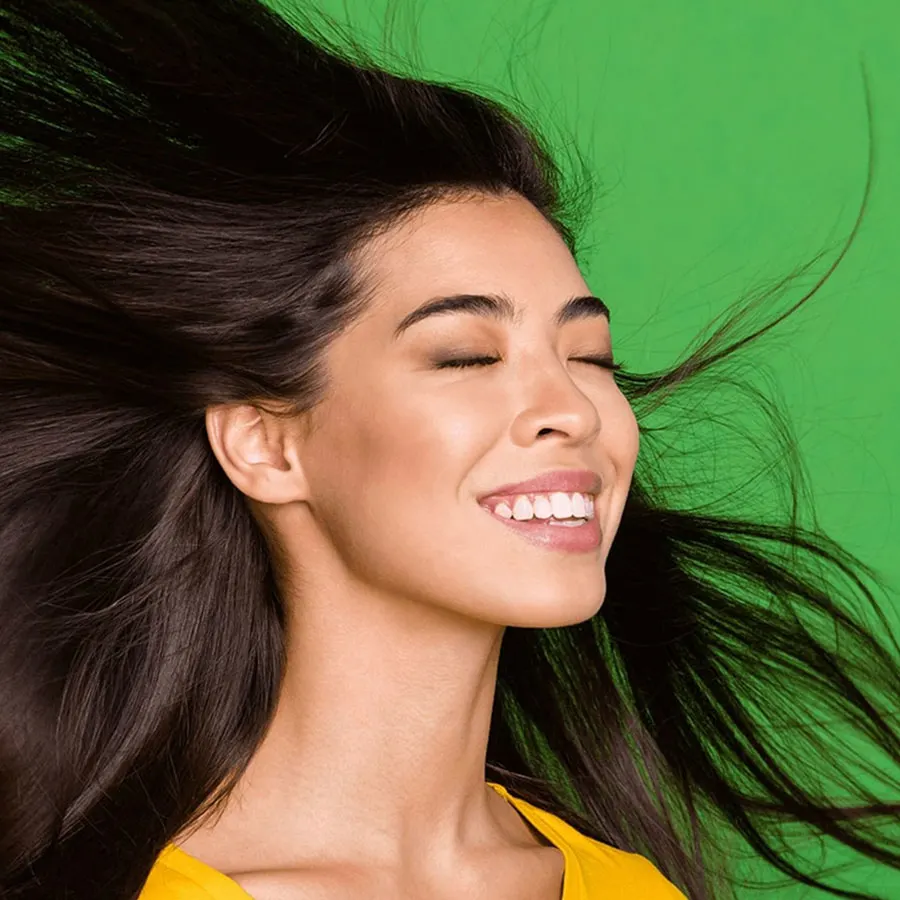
(566, 480)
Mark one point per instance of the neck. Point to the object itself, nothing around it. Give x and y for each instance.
(378, 742)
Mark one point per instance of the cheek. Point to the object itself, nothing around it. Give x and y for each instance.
(621, 444)
(389, 494)
(620, 435)
(391, 458)
(631, 440)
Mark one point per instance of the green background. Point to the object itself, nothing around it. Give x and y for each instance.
(731, 142)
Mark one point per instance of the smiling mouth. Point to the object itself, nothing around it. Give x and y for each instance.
(562, 522)
(555, 508)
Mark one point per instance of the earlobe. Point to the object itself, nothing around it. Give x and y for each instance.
(256, 451)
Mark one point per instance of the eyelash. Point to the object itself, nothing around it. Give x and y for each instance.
(602, 362)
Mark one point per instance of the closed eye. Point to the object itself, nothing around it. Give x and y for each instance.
(463, 362)
(603, 362)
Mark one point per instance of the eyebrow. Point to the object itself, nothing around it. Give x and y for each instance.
(500, 307)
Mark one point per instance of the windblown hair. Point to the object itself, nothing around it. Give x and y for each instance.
(183, 187)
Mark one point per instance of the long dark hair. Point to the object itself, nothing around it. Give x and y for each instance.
(183, 185)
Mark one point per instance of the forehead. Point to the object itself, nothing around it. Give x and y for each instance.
(478, 244)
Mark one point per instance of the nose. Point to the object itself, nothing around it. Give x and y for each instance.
(553, 405)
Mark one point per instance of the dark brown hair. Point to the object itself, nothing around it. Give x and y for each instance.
(182, 187)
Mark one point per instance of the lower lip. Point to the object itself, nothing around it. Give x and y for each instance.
(569, 538)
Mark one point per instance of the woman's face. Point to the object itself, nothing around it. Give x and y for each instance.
(404, 452)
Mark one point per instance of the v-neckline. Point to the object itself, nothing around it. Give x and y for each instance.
(227, 888)
(538, 819)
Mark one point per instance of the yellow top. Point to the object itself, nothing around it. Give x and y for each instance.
(593, 870)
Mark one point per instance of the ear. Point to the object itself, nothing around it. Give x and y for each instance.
(258, 451)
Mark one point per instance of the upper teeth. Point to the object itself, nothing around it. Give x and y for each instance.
(545, 506)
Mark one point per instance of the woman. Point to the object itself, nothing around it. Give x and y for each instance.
(330, 567)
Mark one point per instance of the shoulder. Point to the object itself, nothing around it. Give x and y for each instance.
(618, 873)
(177, 876)
(600, 870)
(167, 883)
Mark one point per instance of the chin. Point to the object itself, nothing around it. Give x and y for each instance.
(554, 609)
